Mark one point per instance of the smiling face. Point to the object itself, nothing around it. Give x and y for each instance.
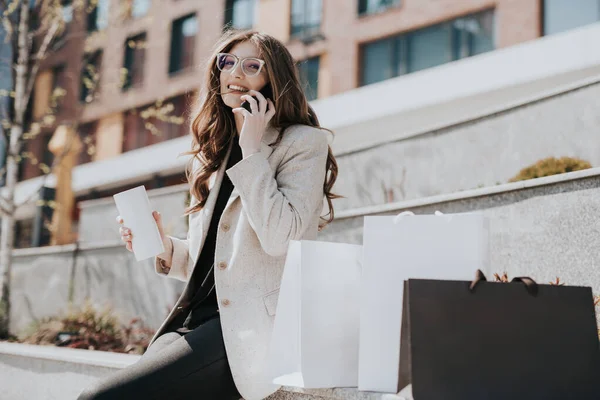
(234, 82)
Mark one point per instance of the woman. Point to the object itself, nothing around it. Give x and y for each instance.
(258, 179)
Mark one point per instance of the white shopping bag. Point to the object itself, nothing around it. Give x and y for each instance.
(448, 247)
(134, 207)
(315, 336)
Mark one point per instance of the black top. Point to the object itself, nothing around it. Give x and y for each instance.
(203, 305)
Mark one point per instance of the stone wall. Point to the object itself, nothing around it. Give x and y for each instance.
(482, 152)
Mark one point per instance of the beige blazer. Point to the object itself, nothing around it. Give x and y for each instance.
(277, 197)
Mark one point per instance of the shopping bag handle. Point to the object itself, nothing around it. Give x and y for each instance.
(404, 214)
(530, 284)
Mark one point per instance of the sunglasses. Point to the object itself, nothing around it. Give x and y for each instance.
(250, 66)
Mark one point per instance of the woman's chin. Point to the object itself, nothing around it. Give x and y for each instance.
(232, 101)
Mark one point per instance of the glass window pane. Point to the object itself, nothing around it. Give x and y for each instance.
(183, 41)
(377, 61)
(313, 15)
(482, 35)
(189, 26)
(306, 17)
(102, 14)
(241, 13)
(297, 16)
(428, 47)
(309, 76)
(67, 13)
(375, 6)
(562, 15)
(473, 35)
(140, 8)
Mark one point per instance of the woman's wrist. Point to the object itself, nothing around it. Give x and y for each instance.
(164, 267)
(168, 253)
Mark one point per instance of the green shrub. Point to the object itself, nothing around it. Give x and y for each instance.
(551, 166)
(88, 328)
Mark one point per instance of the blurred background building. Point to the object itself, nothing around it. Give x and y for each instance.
(377, 72)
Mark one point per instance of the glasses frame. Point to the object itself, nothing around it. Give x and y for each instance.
(240, 62)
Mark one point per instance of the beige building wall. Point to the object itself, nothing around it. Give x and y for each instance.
(273, 17)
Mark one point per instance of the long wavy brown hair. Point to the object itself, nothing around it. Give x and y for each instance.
(213, 125)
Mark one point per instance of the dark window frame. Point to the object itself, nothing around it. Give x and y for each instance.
(185, 60)
(303, 31)
(94, 58)
(92, 17)
(229, 16)
(363, 11)
(135, 71)
(89, 129)
(401, 44)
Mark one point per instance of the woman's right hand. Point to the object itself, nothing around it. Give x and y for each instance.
(127, 235)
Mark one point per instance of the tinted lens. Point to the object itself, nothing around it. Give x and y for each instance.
(251, 66)
(225, 62)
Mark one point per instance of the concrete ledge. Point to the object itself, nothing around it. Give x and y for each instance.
(75, 356)
(47, 372)
(469, 194)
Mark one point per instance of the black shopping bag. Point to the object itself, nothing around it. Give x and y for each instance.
(498, 341)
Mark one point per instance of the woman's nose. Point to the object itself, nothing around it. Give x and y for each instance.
(237, 70)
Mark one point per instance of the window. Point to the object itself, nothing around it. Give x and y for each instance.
(562, 15)
(375, 6)
(240, 14)
(144, 127)
(98, 15)
(174, 120)
(87, 135)
(306, 18)
(90, 77)
(47, 155)
(183, 40)
(59, 87)
(23, 234)
(135, 54)
(133, 131)
(428, 47)
(309, 77)
(139, 8)
(67, 11)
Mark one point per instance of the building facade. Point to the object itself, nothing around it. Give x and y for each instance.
(146, 56)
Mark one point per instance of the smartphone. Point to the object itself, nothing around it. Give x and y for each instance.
(265, 91)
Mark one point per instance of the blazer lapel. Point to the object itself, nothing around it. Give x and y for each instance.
(217, 179)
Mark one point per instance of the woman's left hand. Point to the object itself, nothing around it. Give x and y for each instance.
(255, 122)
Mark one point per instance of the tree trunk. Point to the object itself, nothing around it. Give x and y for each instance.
(16, 133)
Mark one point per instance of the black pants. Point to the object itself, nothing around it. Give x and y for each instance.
(175, 366)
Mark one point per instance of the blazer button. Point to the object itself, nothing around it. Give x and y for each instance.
(222, 265)
(225, 227)
(225, 302)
